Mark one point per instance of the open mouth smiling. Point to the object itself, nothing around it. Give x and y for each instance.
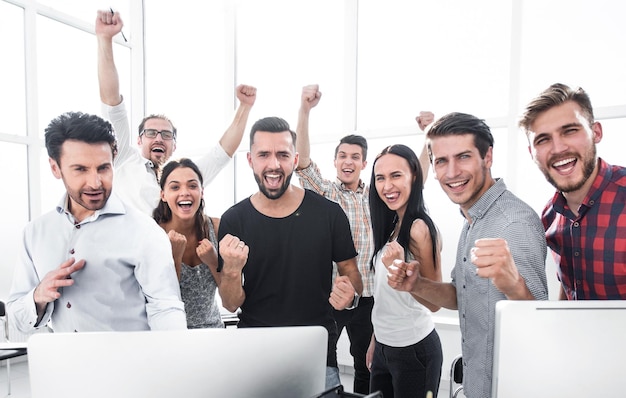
(185, 204)
(457, 184)
(564, 164)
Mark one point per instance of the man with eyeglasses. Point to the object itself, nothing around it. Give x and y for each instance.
(136, 172)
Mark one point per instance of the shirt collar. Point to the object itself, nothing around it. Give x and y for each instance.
(113, 206)
(149, 164)
(482, 205)
(359, 188)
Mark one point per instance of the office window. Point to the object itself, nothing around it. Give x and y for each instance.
(15, 189)
(86, 10)
(190, 78)
(52, 189)
(284, 45)
(575, 42)
(440, 56)
(67, 77)
(12, 78)
(185, 71)
(611, 148)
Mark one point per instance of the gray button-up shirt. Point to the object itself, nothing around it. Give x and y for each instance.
(497, 214)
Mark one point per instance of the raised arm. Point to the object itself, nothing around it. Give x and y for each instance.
(107, 26)
(309, 99)
(424, 119)
(232, 136)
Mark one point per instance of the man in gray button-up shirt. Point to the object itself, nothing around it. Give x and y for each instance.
(501, 251)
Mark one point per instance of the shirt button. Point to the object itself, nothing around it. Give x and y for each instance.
(576, 224)
(591, 202)
(78, 226)
(576, 254)
(72, 251)
(464, 259)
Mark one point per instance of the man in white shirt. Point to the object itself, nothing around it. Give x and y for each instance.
(136, 179)
(93, 263)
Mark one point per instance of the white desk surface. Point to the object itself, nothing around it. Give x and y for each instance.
(13, 345)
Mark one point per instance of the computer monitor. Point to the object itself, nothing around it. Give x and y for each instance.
(251, 362)
(559, 349)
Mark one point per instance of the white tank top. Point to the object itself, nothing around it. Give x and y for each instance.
(399, 320)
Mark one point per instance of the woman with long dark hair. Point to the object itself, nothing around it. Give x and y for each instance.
(405, 355)
(193, 236)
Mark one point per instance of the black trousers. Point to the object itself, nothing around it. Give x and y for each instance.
(358, 324)
(408, 372)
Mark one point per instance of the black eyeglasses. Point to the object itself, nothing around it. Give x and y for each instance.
(152, 133)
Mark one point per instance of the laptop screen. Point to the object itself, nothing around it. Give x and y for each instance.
(559, 349)
(251, 362)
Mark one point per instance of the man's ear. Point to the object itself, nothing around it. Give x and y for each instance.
(597, 132)
(489, 157)
(56, 169)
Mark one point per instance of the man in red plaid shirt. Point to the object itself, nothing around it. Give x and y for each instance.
(585, 221)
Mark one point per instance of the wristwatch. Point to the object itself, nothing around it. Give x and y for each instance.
(355, 302)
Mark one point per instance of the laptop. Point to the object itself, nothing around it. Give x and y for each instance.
(559, 349)
(250, 362)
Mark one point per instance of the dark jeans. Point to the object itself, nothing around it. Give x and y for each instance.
(358, 324)
(403, 372)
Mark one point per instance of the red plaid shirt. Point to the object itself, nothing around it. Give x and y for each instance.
(590, 249)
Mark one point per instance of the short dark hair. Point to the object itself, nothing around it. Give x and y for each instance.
(457, 123)
(78, 126)
(271, 124)
(556, 94)
(354, 139)
(156, 116)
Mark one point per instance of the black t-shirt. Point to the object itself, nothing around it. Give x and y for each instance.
(288, 276)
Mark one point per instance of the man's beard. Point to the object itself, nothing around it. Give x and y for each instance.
(275, 194)
(589, 164)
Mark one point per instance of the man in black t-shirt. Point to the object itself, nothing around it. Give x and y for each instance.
(277, 247)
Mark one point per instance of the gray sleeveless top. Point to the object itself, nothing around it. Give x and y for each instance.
(197, 288)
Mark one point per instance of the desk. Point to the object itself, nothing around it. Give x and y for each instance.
(13, 345)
